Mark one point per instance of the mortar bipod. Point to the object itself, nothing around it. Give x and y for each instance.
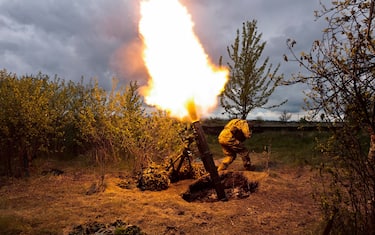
(186, 155)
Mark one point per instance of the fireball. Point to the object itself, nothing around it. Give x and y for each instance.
(182, 80)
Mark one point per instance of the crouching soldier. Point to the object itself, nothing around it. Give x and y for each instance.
(231, 139)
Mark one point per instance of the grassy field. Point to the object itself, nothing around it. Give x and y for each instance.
(287, 147)
(49, 204)
(283, 204)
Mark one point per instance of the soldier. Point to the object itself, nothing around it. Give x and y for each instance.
(231, 140)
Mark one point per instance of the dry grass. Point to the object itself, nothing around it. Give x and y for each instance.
(54, 204)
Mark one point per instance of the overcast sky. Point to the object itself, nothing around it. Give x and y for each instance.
(99, 38)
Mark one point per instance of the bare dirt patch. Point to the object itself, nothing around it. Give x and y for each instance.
(55, 204)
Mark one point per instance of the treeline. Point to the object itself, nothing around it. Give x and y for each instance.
(43, 116)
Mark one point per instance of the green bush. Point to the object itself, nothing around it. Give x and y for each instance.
(50, 117)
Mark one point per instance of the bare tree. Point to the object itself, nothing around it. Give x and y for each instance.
(341, 69)
(285, 116)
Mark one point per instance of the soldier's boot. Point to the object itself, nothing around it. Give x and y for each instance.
(246, 161)
(222, 167)
(225, 163)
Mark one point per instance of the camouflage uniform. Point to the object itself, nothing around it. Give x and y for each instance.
(231, 140)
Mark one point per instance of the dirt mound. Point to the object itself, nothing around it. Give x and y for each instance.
(236, 186)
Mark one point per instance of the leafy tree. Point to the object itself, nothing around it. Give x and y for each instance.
(251, 81)
(147, 136)
(43, 117)
(342, 91)
(24, 119)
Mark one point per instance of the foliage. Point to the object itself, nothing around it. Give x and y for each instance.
(144, 137)
(25, 118)
(251, 82)
(44, 117)
(342, 92)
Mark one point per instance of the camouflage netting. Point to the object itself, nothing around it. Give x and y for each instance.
(158, 177)
(117, 228)
(154, 178)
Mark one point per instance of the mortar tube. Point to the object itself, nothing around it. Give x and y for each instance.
(208, 160)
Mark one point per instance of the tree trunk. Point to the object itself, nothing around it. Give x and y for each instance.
(371, 152)
(371, 161)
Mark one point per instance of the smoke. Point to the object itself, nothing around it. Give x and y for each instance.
(128, 63)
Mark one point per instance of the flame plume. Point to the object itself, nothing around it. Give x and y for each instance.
(182, 79)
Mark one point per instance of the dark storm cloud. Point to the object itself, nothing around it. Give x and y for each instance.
(99, 39)
(217, 22)
(67, 38)
(304, 34)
